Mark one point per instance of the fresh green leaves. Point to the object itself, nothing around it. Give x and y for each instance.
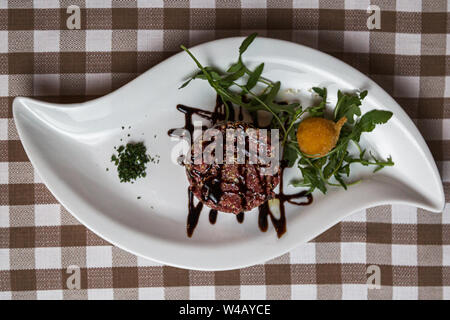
(200, 75)
(322, 92)
(369, 120)
(253, 79)
(243, 47)
(372, 161)
(237, 86)
(319, 172)
(228, 80)
(235, 67)
(317, 111)
(246, 43)
(222, 83)
(290, 154)
(311, 179)
(348, 105)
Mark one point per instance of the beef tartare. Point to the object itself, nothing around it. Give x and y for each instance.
(232, 187)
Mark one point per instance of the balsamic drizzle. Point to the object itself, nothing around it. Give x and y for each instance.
(212, 216)
(214, 186)
(240, 217)
(194, 213)
(280, 224)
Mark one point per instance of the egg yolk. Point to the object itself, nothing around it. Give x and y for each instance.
(318, 136)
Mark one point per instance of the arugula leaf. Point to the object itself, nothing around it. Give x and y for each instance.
(341, 181)
(363, 94)
(235, 67)
(333, 162)
(370, 119)
(368, 122)
(246, 43)
(318, 111)
(273, 92)
(374, 162)
(186, 83)
(290, 155)
(253, 79)
(204, 70)
(322, 92)
(292, 120)
(349, 111)
(347, 106)
(229, 79)
(310, 179)
(319, 163)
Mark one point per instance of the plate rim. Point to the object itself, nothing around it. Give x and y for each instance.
(417, 136)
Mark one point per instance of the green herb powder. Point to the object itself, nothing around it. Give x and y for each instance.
(131, 161)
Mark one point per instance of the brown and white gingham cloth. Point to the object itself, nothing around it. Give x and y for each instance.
(118, 40)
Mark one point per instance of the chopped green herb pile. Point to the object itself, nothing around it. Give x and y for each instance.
(131, 161)
(235, 87)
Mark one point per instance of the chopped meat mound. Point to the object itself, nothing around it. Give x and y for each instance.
(233, 187)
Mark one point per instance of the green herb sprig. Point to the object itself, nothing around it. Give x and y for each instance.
(318, 172)
(222, 82)
(236, 86)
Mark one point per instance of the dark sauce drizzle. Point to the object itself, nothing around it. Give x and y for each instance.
(194, 214)
(280, 224)
(214, 186)
(212, 216)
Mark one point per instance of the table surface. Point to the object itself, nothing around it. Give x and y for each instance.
(118, 40)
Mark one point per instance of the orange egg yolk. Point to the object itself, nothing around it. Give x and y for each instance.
(318, 136)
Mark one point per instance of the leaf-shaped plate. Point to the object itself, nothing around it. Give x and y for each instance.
(70, 147)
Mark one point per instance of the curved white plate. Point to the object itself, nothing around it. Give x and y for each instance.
(70, 147)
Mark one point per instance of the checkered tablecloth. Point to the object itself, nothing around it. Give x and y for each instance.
(118, 40)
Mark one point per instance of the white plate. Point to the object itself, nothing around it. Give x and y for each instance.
(70, 147)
